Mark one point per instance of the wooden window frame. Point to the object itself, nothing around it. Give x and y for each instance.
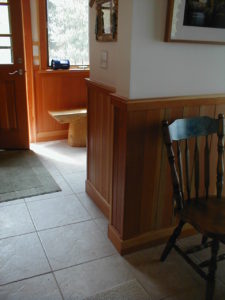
(43, 40)
(42, 13)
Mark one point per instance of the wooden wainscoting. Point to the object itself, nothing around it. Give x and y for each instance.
(57, 90)
(99, 145)
(142, 212)
(128, 174)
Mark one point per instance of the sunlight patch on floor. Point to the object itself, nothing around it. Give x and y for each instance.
(75, 156)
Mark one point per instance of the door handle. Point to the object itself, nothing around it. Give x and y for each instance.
(20, 72)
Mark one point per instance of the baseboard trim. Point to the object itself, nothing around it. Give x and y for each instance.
(52, 135)
(151, 238)
(98, 199)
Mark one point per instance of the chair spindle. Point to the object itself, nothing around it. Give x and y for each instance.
(220, 167)
(207, 171)
(187, 155)
(180, 167)
(196, 159)
(175, 180)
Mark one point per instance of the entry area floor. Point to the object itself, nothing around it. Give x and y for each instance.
(55, 246)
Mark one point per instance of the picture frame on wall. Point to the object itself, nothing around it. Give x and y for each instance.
(196, 21)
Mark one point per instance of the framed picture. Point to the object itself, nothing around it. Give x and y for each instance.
(196, 21)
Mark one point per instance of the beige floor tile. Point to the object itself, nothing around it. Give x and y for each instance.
(38, 288)
(11, 202)
(74, 244)
(21, 257)
(91, 278)
(76, 181)
(102, 224)
(199, 293)
(15, 220)
(90, 206)
(57, 212)
(161, 279)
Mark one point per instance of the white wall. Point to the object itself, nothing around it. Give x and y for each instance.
(118, 72)
(142, 65)
(170, 69)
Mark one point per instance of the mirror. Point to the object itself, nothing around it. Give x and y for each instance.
(106, 20)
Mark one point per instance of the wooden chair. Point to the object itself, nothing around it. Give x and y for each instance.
(205, 213)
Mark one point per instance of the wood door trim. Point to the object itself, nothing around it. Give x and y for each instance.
(42, 17)
(28, 56)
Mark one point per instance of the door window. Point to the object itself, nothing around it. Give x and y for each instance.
(6, 54)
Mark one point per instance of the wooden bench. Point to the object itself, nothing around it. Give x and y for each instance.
(77, 119)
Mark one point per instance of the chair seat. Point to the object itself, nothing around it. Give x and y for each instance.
(207, 216)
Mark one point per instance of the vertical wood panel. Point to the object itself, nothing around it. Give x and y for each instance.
(147, 198)
(119, 169)
(99, 146)
(8, 118)
(57, 90)
(141, 208)
(206, 111)
(151, 168)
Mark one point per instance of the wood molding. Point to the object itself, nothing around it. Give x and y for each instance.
(146, 240)
(141, 194)
(166, 102)
(138, 190)
(42, 17)
(98, 199)
(97, 84)
(99, 144)
(52, 135)
(26, 16)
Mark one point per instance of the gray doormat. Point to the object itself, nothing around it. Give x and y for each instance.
(23, 175)
(130, 290)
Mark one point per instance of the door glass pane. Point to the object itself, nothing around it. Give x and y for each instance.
(5, 41)
(4, 19)
(5, 56)
(3, 1)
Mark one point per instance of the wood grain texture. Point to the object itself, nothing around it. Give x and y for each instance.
(99, 145)
(57, 91)
(28, 52)
(138, 181)
(13, 104)
(146, 186)
(42, 22)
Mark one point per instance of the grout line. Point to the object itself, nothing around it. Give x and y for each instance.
(52, 197)
(45, 254)
(50, 228)
(64, 225)
(85, 262)
(26, 278)
(18, 235)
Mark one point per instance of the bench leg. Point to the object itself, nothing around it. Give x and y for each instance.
(77, 134)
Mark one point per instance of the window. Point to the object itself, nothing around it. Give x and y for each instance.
(6, 56)
(67, 31)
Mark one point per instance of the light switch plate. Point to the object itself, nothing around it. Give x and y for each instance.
(104, 59)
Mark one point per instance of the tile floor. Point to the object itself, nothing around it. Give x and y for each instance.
(55, 246)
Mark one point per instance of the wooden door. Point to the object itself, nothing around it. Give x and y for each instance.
(13, 106)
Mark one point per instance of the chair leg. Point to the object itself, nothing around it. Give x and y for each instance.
(212, 271)
(204, 239)
(172, 241)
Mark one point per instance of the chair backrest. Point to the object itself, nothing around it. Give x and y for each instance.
(183, 130)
